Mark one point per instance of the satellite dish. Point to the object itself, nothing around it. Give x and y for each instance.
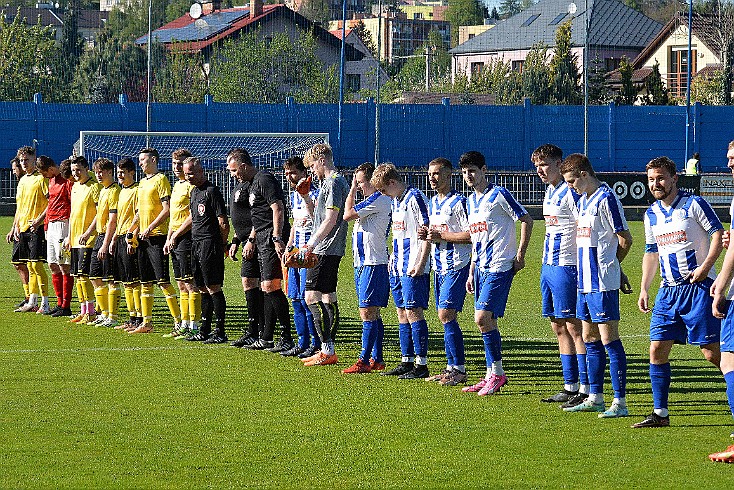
(571, 8)
(201, 24)
(195, 10)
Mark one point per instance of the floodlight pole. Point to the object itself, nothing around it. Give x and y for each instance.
(150, 42)
(379, 68)
(688, 82)
(586, 78)
(341, 74)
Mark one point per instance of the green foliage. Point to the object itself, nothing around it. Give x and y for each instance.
(657, 94)
(628, 92)
(181, 78)
(508, 8)
(498, 78)
(412, 75)
(255, 69)
(635, 4)
(564, 73)
(463, 13)
(366, 36)
(316, 11)
(598, 88)
(536, 75)
(29, 60)
(708, 90)
(494, 15)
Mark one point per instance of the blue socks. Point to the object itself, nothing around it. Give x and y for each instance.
(419, 331)
(570, 369)
(492, 346)
(660, 381)
(596, 360)
(379, 336)
(301, 320)
(369, 335)
(454, 339)
(729, 378)
(617, 367)
(406, 340)
(583, 372)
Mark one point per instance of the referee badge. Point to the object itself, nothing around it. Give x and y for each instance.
(202, 209)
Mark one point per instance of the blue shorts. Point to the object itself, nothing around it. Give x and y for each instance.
(558, 290)
(598, 307)
(410, 292)
(683, 313)
(491, 290)
(296, 283)
(450, 289)
(727, 329)
(372, 284)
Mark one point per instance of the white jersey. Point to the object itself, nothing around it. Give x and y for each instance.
(601, 217)
(302, 220)
(369, 234)
(559, 210)
(409, 213)
(492, 217)
(449, 215)
(680, 235)
(730, 293)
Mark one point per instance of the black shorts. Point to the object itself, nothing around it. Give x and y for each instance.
(323, 276)
(181, 258)
(101, 269)
(33, 243)
(126, 265)
(270, 266)
(81, 259)
(152, 262)
(207, 262)
(20, 254)
(251, 268)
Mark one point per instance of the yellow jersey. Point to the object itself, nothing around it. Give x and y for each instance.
(127, 203)
(108, 198)
(31, 199)
(84, 199)
(180, 199)
(153, 191)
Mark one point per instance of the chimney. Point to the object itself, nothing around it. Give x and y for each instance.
(256, 8)
(210, 6)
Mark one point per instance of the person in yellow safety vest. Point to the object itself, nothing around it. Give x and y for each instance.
(692, 165)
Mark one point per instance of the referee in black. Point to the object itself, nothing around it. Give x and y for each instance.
(209, 233)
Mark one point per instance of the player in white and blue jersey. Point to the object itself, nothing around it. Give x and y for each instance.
(683, 235)
(409, 267)
(369, 248)
(558, 275)
(302, 211)
(496, 258)
(723, 308)
(448, 233)
(602, 241)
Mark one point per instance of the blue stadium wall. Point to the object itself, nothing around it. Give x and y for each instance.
(621, 138)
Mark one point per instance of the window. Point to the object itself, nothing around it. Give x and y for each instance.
(476, 69)
(353, 83)
(611, 64)
(530, 20)
(517, 65)
(471, 35)
(417, 16)
(678, 69)
(558, 19)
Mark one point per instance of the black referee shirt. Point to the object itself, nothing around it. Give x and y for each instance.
(264, 191)
(207, 204)
(239, 209)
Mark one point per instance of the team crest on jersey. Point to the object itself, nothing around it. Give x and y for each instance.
(681, 214)
(202, 209)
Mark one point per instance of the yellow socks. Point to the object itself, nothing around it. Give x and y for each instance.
(172, 301)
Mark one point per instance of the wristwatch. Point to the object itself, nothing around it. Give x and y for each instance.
(250, 239)
(277, 239)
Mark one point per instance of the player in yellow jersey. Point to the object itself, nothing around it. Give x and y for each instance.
(101, 269)
(82, 233)
(126, 244)
(28, 226)
(20, 265)
(178, 246)
(151, 226)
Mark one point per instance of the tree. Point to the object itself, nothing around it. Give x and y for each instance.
(463, 13)
(628, 92)
(707, 90)
(536, 75)
(72, 44)
(494, 15)
(366, 37)
(598, 87)
(564, 72)
(316, 11)
(508, 8)
(182, 78)
(657, 94)
(498, 78)
(412, 75)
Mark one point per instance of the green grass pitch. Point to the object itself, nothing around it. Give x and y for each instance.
(96, 408)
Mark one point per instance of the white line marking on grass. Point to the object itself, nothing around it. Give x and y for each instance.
(90, 349)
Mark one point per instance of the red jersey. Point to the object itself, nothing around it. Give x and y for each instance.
(59, 199)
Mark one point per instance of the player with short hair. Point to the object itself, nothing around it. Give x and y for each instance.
(448, 233)
(82, 232)
(101, 268)
(126, 244)
(16, 258)
(683, 235)
(371, 219)
(328, 242)
(302, 206)
(151, 226)
(603, 241)
(242, 171)
(57, 229)
(409, 268)
(558, 276)
(179, 248)
(723, 309)
(209, 233)
(496, 258)
(30, 215)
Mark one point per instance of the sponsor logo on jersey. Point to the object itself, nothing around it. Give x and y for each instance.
(671, 238)
(551, 220)
(398, 226)
(583, 232)
(478, 227)
(441, 227)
